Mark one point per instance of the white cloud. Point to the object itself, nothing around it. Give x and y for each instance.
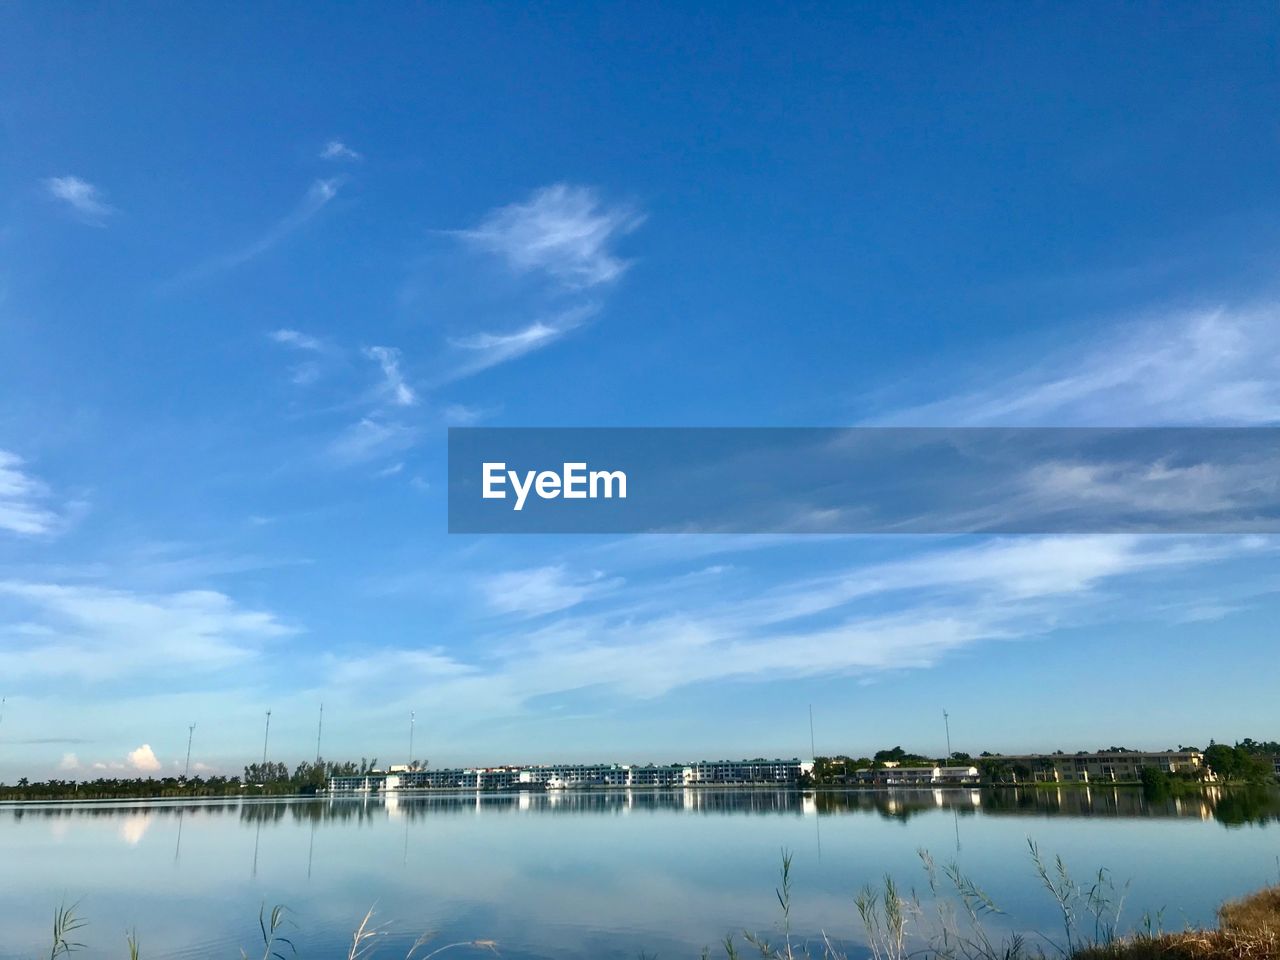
(318, 195)
(394, 387)
(862, 621)
(385, 665)
(462, 415)
(1002, 571)
(337, 150)
(1201, 490)
(21, 500)
(303, 374)
(143, 759)
(83, 197)
(95, 633)
(384, 427)
(296, 338)
(381, 430)
(483, 350)
(1003, 590)
(542, 590)
(564, 231)
(370, 438)
(559, 252)
(309, 370)
(69, 762)
(1219, 366)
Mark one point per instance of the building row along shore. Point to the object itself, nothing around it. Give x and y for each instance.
(1103, 767)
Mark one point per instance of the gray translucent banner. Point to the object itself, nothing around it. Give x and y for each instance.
(864, 480)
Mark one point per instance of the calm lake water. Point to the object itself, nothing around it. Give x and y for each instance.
(596, 874)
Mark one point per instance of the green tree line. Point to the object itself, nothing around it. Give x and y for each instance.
(271, 778)
(1247, 761)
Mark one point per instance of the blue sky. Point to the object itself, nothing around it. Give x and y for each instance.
(254, 262)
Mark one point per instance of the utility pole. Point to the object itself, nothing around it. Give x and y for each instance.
(191, 732)
(813, 751)
(319, 730)
(946, 718)
(265, 736)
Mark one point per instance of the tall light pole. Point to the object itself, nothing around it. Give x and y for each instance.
(265, 736)
(813, 751)
(946, 718)
(412, 720)
(191, 732)
(319, 730)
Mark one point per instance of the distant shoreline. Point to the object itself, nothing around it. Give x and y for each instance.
(222, 799)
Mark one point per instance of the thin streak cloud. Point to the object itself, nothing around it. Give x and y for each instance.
(317, 197)
(480, 351)
(1218, 366)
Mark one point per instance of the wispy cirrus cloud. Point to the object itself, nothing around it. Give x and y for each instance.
(95, 633)
(337, 150)
(479, 351)
(557, 254)
(1204, 489)
(24, 499)
(463, 415)
(384, 426)
(863, 621)
(564, 231)
(318, 195)
(371, 438)
(82, 197)
(1217, 366)
(308, 370)
(558, 248)
(295, 338)
(543, 589)
(393, 386)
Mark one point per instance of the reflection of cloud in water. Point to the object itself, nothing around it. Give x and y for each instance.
(134, 827)
(59, 830)
(606, 873)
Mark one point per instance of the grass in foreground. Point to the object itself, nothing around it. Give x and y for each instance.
(896, 926)
(275, 946)
(958, 924)
(1248, 929)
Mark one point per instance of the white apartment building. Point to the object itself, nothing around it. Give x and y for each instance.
(566, 776)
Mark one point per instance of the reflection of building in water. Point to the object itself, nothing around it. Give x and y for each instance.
(692, 800)
(575, 775)
(1107, 767)
(915, 776)
(948, 798)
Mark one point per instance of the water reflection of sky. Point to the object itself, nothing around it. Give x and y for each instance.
(599, 874)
